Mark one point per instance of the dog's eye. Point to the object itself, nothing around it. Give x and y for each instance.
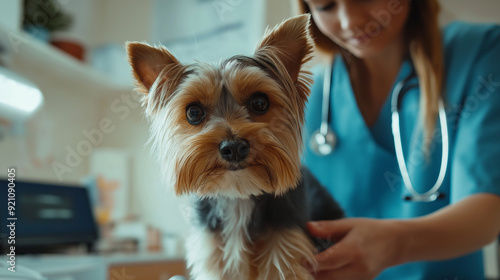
(259, 103)
(195, 113)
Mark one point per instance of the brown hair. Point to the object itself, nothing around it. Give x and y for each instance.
(426, 50)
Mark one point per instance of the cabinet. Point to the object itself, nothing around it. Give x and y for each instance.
(155, 270)
(145, 266)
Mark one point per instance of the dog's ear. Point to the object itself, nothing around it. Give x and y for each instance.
(147, 63)
(290, 42)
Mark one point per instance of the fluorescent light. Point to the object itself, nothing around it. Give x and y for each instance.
(18, 93)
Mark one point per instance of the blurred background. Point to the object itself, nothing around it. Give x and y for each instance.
(73, 135)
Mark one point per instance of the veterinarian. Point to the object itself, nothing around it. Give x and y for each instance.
(423, 209)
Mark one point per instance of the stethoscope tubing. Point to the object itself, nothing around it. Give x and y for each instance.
(432, 194)
(326, 100)
(399, 90)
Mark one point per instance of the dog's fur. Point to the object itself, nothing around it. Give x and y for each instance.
(230, 134)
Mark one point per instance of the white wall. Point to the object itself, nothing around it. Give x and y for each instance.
(150, 199)
(56, 128)
(475, 11)
(97, 22)
(81, 12)
(118, 21)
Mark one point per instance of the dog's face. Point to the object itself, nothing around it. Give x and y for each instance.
(231, 129)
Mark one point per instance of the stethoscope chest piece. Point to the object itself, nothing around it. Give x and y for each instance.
(323, 143)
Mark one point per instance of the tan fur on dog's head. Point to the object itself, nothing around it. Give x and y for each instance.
(194, 108)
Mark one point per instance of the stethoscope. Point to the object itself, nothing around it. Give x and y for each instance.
(324, 140)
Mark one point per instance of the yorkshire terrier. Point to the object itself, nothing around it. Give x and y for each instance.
(230, 134)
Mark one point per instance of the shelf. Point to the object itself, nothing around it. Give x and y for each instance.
(44, 64)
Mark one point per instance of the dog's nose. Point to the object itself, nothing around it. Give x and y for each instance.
(234, 151)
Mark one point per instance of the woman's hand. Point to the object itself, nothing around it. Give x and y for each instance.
(364, 247)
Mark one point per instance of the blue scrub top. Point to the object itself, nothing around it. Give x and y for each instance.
(362, 173)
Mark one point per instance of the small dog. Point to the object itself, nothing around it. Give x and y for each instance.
(230, 134)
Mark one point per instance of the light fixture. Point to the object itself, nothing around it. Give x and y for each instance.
(19, 99)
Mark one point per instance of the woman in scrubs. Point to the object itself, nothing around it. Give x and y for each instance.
(375, 44)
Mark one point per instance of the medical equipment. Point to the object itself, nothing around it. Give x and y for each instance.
(432, 194)
(324, 140)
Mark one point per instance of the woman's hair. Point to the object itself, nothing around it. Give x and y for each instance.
(425, 46)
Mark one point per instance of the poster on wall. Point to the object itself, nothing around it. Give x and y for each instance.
(208, 30)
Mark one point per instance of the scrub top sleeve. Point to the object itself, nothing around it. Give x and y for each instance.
(475, 160)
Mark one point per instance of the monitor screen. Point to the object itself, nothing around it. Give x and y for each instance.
(48, 214)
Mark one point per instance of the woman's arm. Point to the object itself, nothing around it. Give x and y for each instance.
(367, 246)
(453, 231)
